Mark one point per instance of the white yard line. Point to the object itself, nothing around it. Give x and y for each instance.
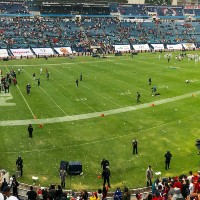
(54, 101)
(47, 95)
(99, 94)
(26, 102)
(23, 97)
(95, 114)
(72, 94)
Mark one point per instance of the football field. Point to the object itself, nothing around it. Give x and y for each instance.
(100, 118)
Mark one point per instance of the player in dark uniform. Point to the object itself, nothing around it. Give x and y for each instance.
(167, 156)
(81, 77)
(28, 88)
(106, 176)
(38, 81)
(19, 164)
(76, 82)
(150, 81)
(138, 97)
(135, 146)
(30, 130)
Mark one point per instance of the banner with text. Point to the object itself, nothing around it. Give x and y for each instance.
(192, 7)
(158, 46)
(122, 47)
(189, 46)
(43, 51)
(21, 52)
(174, 46)
(63, 50)
(3, 53)
(139, 47)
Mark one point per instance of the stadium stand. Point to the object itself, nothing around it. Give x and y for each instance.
(170, 11)
(188, 11)
(197, 12)
(96, 26)
(168, 188)
(50, 25)
(150, 8)
(132, 9)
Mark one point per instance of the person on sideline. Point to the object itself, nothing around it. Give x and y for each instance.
(149, 176)
(135, 146)
(30, 130)
(106, 176)
(167, 156)
(19, 164)
(14, 186)
(31, 194)
(4, 184)
(63, 175)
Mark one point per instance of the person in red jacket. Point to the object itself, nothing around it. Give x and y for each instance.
(177, 183)
(197, 187)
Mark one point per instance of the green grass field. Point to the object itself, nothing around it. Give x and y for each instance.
(107, 84)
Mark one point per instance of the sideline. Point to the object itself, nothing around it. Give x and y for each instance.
(95, 114)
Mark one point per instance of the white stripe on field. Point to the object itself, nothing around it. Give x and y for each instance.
(95, 114)
(23, 97)
(54, 101)
(25, 101)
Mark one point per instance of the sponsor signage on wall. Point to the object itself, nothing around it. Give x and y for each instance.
(189, 46)
(63, 50)
(21, 52)
(43, 51)
(158, 46)
(122, 47)
(139, 47)
(174, 46)
(3, 53)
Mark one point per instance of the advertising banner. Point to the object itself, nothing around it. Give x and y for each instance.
(158, 46)
(189, 46)
(3, 53)
(43, 51)
(21, 52)
(139, 47)
(122, 47)
(174, 46)
(192, 7)
(63, 50)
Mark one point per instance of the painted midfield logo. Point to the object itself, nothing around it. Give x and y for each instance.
(4, 98)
